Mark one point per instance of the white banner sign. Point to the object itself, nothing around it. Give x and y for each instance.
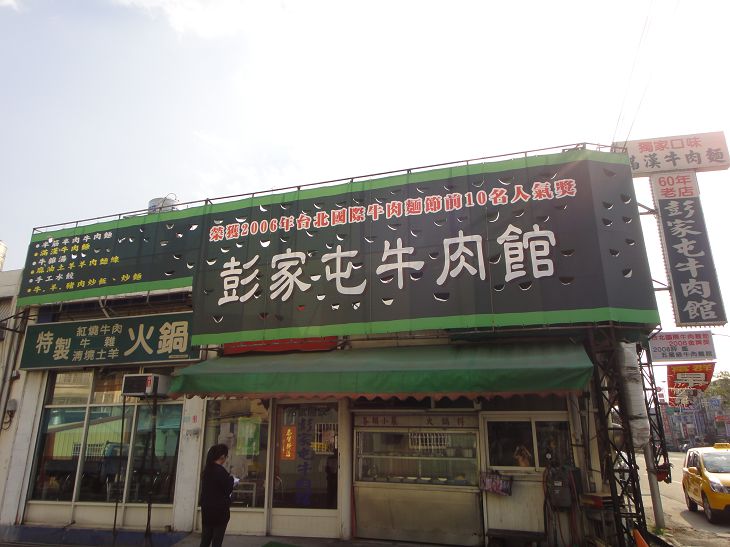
(682, 346)
(699, 152)
(680, 185)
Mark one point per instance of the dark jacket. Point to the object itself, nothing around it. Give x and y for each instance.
(215, 495)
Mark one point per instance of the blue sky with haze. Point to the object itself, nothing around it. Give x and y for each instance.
(105, 104)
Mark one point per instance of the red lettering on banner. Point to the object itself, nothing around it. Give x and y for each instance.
(338, 216)
(375, 210)
(394, 209)
(216, 233)
(520, 194)
(433, 204)
(498, 196)
(321, 220)
(468, 199)
(542, 190)
(414, 206)
(233, 231)
(646, 147)
(286, 223)
(481, 198)
(453, 202)
(565, 188)
(304, 221)
(357, 213)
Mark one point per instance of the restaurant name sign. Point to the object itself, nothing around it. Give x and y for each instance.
(691, 270)
(540, 240)
(696, 152)
(115, 341)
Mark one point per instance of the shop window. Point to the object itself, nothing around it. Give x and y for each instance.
(510, 444)
(445, 458)
(305, 472)
(61, 431)
(83, 447)
(70, 388)
(104, 466)
(528, 442)
(242, 425)
(553, 441)
(108, 386)
(155, 456)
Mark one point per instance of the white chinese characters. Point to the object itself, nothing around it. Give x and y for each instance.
(526, 253)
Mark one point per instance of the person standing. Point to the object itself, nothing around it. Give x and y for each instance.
(215, 496)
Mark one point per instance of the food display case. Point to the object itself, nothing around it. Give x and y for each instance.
(416, 479)
(415, 456)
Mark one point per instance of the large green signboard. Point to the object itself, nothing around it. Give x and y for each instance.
(541, 240)
(536, 241)
(144, 339)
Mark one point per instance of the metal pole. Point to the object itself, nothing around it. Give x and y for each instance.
(656, 499)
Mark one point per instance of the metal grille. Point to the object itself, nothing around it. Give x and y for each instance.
(324, 438)
(428, 441)
(93, 450)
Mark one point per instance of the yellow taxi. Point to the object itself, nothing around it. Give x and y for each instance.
(706, 480)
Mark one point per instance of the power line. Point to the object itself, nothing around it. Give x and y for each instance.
(631, 74)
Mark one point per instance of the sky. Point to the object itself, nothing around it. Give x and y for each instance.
(106, 104)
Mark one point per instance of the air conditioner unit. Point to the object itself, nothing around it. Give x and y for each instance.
(145, 385)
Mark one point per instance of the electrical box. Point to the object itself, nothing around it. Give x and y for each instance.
(145, 385)
(560, 487)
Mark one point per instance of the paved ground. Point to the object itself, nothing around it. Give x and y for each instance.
(193, 540)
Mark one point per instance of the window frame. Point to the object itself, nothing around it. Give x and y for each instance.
(532, 417)
(132, 405)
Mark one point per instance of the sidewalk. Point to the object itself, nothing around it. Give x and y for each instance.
(193, 540)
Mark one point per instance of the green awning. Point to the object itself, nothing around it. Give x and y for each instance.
(420, 371)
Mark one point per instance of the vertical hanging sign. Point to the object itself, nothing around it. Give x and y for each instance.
(691, 271)
(288, 443)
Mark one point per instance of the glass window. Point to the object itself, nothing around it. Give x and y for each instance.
(417, 456)
(510, 444)
(70, 388)
(72, 429)
(102, 477)
(58, 448)
(553, 441)
(153, 470)
(243, 426)
(108, 386)
(305, 472)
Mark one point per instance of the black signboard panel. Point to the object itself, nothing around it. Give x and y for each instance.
(147, 252)
(535, 241)
(162, 338)
(695, 287)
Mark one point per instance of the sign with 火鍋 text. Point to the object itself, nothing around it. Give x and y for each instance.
(162, 338)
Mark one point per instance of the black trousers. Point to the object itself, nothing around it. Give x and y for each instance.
(213, 534)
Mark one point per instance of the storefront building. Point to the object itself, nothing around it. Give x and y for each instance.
(410, 358)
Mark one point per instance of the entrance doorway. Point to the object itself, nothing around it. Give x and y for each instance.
(304, 489)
